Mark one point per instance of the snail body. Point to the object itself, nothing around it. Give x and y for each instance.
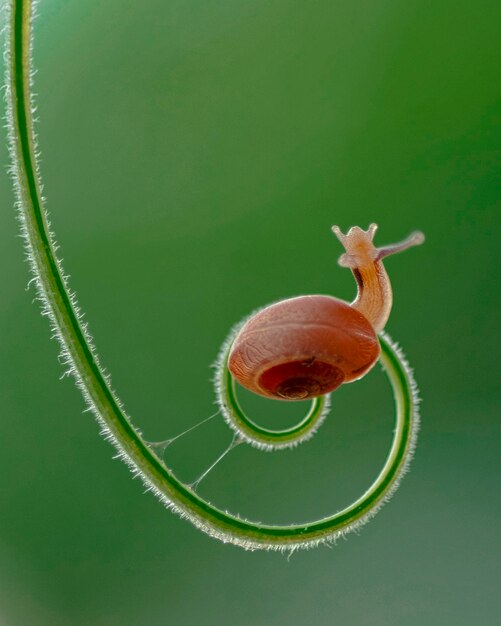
(308, 346)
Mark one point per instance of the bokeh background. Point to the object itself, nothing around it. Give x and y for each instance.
(195, 155)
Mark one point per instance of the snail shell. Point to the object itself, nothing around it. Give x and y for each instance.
(303, 347)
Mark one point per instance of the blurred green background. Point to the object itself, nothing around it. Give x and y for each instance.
(195, 155)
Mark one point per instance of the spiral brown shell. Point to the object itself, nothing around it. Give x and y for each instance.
(303, 347)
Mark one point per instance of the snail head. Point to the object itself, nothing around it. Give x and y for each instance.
(361, 251)
(358, 243)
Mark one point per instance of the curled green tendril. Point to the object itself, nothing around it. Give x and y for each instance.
(60, 306)
(330, 528)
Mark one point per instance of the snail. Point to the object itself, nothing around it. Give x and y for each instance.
(308, 346)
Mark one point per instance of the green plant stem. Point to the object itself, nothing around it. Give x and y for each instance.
(59, 304)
